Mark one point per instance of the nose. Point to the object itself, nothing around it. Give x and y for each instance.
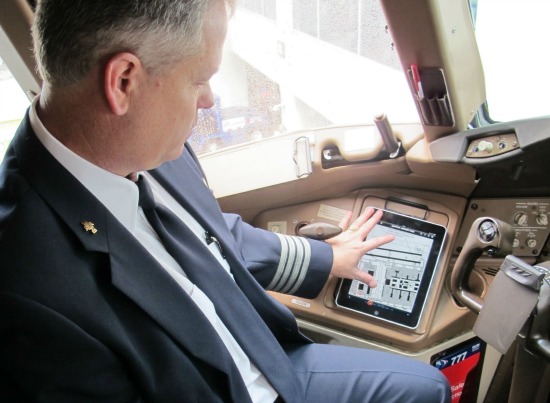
(206, 97)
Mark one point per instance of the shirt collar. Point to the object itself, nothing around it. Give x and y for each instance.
(117, 193)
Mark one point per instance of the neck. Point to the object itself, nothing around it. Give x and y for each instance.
(81, 123)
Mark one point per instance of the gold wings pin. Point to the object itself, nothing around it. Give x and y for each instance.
(89, 226)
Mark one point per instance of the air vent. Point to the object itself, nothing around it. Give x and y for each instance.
(491, 271)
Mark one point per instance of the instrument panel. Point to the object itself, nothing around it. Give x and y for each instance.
(408, 330)
(441, 317)
(530, 218)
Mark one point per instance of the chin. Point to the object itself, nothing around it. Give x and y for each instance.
(175, 153)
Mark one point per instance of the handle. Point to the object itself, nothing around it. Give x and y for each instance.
(486, 235)
(319, 231)
(538, 340)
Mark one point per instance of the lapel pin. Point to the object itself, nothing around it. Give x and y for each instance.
(89, 226)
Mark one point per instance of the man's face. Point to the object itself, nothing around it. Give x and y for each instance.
(168, 104)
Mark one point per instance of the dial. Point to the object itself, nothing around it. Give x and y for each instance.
(485, 145)
(520, 218)
(541, 219)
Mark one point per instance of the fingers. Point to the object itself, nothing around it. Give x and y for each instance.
(366, 222)
(344, 222)
(356, 225)
(369, 211)
(374, 218)
(374, 243)
(351, 245)
(366, 278)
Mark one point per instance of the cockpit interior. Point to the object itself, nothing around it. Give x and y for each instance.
(433, 111)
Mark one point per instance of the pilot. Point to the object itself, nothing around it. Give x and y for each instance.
(121, 279)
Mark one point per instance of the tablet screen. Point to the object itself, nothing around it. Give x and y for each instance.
(403, 269)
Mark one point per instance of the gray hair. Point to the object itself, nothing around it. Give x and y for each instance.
(71, 36)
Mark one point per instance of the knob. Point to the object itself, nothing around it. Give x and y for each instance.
(531, 243)
(520, 218)
(485, 145)
(541, 219)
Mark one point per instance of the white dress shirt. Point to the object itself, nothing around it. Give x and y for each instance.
(120, 196)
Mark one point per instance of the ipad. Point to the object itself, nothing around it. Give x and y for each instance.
(403, 268)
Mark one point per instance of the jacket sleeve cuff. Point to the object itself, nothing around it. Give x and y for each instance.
(303, 268)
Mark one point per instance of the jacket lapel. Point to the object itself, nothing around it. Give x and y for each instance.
(133, 270)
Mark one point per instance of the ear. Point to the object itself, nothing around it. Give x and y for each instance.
(121, 74)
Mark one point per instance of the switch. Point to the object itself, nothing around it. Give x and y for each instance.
(485, 145)
(541, 219)
(520, 218)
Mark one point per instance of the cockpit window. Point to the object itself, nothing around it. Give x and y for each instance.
(13, 104)
(299, 65)
(512, 38)
(267, 8)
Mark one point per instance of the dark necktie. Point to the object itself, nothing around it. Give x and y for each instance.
(235, 310)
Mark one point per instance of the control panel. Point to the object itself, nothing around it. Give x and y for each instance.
(529, 218)
(492, 145)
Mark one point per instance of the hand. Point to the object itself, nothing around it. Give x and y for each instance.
(350, 245)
